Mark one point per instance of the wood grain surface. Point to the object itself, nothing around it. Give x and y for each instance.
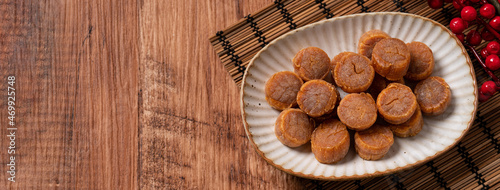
(125, 95)
(76, 67)
(191, 133)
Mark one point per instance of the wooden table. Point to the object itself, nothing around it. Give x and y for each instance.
(124, 95)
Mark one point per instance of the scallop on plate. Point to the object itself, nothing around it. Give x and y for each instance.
(439, 133)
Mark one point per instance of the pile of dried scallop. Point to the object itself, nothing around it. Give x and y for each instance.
(378, 106)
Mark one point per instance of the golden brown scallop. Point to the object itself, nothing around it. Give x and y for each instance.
(373, 143)
(421, 61)
(411, 127)
(330, 141)
(380, 83)
(353, 73)
(282, 88)
(396, 103)
(357, 111)
(391, 58)
(293, 127)
(311, 63)
(433, 95)
(338, 58)
(368, 40)
(331, 115)
(317, 98)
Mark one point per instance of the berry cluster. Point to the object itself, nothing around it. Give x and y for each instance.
(481, 30)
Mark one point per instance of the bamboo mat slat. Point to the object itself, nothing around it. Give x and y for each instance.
(472, 164)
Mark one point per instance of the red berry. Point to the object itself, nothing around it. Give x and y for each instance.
(483, 1)
(488, 88)
(468, 13)
(483, 97)
(484, 53)
(495, 22)
(487, 35)
(458, 4)
(461, 37)
(487, 11)
(493, 47)
(457, 25)
(474, 38)
(435, 4)
(492, 62)
(474, 1)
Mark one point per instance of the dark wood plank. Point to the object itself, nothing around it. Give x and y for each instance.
(76, 65)
(191, 133)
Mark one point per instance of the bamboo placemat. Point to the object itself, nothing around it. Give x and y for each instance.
(473, 163)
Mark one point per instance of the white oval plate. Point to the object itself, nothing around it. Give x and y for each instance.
(341, 34)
